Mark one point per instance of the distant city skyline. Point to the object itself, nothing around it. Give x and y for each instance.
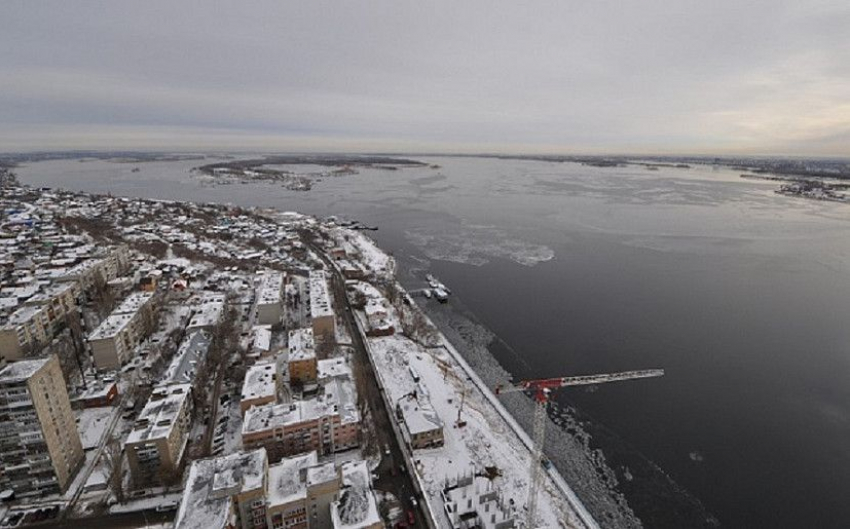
(762, 77)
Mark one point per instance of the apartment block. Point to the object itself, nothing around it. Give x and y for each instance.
(270, 299)
(157, 443)
(301, 362)
(326, 424)
(43, 315)
(114, 340)
(244, 491)
(321, 311)
(99, 270)
(261, 386)
(225, 492)
(40, 448)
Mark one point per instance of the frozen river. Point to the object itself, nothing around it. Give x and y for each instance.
(740, 294)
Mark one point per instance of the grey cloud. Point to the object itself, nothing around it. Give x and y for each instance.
(687, 76)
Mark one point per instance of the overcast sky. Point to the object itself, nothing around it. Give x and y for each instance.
(673, 76)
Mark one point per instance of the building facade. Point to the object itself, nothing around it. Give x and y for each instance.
(244, 491)
(270, 299)
(157, 443)
(286, 430)
(321, 311)
(113, 341)
(27, 330)
(302, 357)
(40, 448)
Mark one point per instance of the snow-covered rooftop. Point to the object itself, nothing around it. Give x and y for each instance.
(259, 381)
(417, 412)
(356, 507)
(333, 368)
(133, 302)
(316, 475)
(22, 315)
(338, 397)
(208, 310)
(112, 325)
(262, 337)
(157, 418)
(271, 289)
(301, 345)
(191, 354)
(211, 483)
(320, 300)
(286, 479)
(22, 370)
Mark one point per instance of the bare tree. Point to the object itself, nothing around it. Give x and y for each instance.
(113, 460)
(359, 300)
(416, 326)
(103, 298)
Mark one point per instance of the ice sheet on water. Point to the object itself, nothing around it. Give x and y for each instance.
(476, 245)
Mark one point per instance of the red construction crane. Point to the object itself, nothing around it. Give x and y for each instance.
(541, 389)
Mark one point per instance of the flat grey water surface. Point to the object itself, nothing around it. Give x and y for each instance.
(742, 295)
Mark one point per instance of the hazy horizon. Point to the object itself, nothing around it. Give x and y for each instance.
(689, 78)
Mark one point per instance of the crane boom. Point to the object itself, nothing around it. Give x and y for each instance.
(544, 384)
(542, 388)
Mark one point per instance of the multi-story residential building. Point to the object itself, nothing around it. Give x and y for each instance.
(207, 311)
(243, 491)
(270, 299)
(113, 341)
(191, 354)
(27, 330)
(24, 332)
(328, 423)
(356, 507)
(301, 491)
(100, 269)
(302, 357)
(261, 386)
(321, 311)
(156, 445)
(40, 448)
(225, 492)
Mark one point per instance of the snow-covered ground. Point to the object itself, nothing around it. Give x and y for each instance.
(364, 249)
(485, 441)
(167, 500)
(92, 422)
